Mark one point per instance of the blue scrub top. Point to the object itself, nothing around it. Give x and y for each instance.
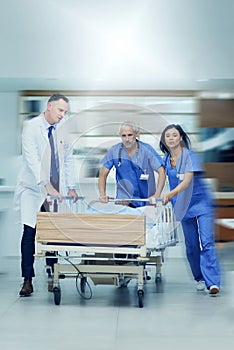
(196, 199)
(129, 180)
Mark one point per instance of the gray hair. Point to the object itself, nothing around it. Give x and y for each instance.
(133, 125)
(56, 97)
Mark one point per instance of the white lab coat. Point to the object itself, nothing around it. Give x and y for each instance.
(35, 171)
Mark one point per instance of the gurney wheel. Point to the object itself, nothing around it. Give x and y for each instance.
(57, 295)
(158, 278)
(140, 298)
(83, 281)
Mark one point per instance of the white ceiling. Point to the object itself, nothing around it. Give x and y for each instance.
(124, 44)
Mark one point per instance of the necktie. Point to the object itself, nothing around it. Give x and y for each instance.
(54, 173)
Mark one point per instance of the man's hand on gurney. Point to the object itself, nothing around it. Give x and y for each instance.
(105, 198)
(72, 193)
(51, 191)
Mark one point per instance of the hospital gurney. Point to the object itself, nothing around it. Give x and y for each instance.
(112, 247)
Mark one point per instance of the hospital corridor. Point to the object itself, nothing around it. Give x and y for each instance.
(125, 105)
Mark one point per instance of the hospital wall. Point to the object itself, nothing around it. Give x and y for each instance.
(10, 231)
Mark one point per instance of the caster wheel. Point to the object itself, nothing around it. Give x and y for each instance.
(57, 295)
(83, 282)
(158, 278)
(140, 298)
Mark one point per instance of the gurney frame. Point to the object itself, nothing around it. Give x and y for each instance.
(111, 249)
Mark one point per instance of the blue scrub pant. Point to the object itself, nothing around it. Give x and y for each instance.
(200, 249)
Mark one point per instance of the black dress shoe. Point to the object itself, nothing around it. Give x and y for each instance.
(27, 288)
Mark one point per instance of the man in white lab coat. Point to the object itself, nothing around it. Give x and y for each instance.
(35, 178)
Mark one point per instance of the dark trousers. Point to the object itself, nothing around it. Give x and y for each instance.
(28, 251)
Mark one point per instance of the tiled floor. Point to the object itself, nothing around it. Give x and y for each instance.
(174, 315)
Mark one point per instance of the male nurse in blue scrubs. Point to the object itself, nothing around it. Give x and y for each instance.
(135, 163)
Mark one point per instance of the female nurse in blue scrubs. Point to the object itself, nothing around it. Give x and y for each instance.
(193, 206)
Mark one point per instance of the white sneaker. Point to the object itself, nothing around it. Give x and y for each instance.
(201, 286)
(214, 290)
